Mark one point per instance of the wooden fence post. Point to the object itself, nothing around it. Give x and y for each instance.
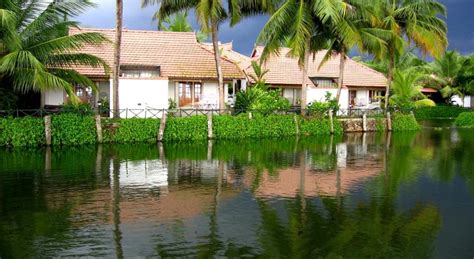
(364, 122)
(389, 122)
(98, 126)
(209, 126)
(47, 129)
(295, 118)
(161, 131)
(331, 121)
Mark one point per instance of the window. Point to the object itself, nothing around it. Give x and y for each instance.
(323, 82)
(375, 95)
(140, 72)
(189, 93)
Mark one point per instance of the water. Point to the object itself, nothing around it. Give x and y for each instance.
(407, 195)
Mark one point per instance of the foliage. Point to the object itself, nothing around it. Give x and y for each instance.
(258, 75)
(321, 109)
(83, 109)
(172, 104)
(406, 89)
(237, 127)
(404, 122)
(186, 129)
(318, 126)
(424, 103)
(73, 129)
(135, 130)
(18, 132)
(36, 51)
(465, 119)
(7, 98)
(259, 99)
(179, 23)
(380, 124)
(438, 112)
(452, 74)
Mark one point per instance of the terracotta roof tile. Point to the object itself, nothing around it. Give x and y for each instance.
(284, 70)
(178, 54)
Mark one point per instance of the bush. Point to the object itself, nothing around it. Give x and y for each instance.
(438, 112)
(134, 130)
(262, 100)
(424, 103)
(239, 127)
(84, 109)
(321, 109)
(404, 122)
(18, 132)
(465, 119)
(317, 127)
(186, 129)
(73, 129)
(380, 124)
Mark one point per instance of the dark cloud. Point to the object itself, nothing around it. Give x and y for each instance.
(460, 23)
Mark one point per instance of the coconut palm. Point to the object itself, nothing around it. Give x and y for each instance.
(210, 14)
(299, 25)
(36, 51)
(179, 23)
(406, 89)
(452, 74)
(418, 21)
(117, 53)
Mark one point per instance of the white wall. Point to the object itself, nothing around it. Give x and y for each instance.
(362, 97)
(54, 97)
(317, 94)
(457, 100)
(143, 94)
(210, 95)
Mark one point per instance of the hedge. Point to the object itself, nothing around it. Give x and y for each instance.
(317, 127)
(465, 119)
(404, 122)
(192, 128)
(438, 112)
(135, 130)
(18, 132)
(73, 129)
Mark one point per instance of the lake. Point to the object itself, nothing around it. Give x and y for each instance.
(405, 195)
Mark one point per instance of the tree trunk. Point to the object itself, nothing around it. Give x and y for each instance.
(391, 66)
(217, 57)
(340, 81)
(304, 79)
(117, 47)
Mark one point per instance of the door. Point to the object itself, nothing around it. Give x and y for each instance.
(184, 93)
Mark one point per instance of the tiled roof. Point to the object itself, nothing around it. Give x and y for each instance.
(284, 70)
(229, 53)
(178, 54)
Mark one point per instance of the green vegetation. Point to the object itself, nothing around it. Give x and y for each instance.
(36, 50)
(18, 132)
(321, 109)
(315, 127)
(192, 128)
(134, 130)
(73, 129)
(465, 119)
(404, 122)
(438, 112)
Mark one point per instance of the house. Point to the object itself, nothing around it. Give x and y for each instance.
(155, 66)
(362, 86)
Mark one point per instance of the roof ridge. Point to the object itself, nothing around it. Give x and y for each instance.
(366, 67)
(133, 30)
(221, 56)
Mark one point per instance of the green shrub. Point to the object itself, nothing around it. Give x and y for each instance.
(186, 129)
(380, 124)
(84, 109)
(316, 127)
(262, 100)
(239, 127)
(465, 119)
(424, 103)
(133, 131)
(18, 132)
(73, 129)
(404, 122)
(321, 109)
(438, 112)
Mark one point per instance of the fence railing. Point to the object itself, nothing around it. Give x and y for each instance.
(157, 113)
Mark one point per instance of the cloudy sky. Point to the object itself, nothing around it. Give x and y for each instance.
(460, 23)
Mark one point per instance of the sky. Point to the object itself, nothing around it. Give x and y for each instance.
(460, 23)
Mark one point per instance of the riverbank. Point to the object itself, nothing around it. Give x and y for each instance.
(71, 129)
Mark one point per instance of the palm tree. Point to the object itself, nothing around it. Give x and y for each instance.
(452, 74)
(407, 88)
(351, 31)
(117, 53)
(36, 51)
(418, 21)
(179, 23)
(210, 14)
(299, 24)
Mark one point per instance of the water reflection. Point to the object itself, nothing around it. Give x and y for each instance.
(361, 195)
